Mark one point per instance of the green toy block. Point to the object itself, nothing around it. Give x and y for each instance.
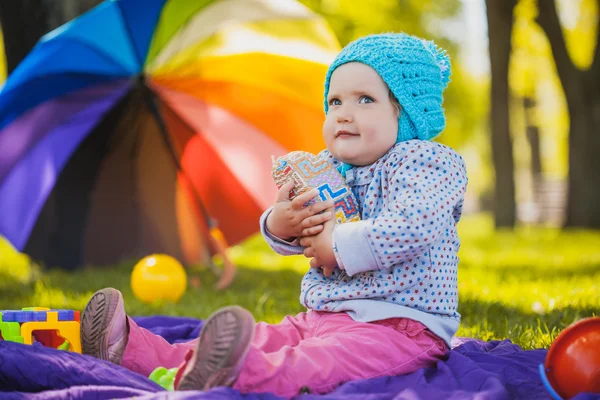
(164, 377)
(10, 331)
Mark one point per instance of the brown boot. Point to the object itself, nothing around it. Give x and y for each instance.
(104, 330)
(220, 352)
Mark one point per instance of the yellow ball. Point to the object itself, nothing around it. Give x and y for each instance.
(158, 277)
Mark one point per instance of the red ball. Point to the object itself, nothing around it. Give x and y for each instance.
(573, 360)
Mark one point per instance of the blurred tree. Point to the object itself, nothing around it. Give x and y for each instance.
(351, 19)
(533, 75)
(533, 136)
(581, 87)
(24, 22)
(500, 26)
(530, 74)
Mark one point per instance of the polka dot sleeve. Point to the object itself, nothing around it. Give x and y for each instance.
(419, 189)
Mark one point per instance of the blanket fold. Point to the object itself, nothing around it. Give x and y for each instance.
(473, 370)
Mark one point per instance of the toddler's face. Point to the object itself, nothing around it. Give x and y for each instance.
(362, 123)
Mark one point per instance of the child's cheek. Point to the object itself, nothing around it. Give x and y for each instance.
(381, 130)
(369, 131)
(328, 128)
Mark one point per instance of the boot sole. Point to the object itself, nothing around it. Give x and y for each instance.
(233, 330)
(95, 323)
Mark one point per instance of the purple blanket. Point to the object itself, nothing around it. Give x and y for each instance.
(473, 370)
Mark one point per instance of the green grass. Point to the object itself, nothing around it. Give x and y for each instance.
(525, 285)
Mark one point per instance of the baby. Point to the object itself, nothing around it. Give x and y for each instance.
(381, 294)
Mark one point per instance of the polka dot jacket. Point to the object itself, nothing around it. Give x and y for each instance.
(402, 255)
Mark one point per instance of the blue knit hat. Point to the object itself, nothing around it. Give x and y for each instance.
(415, 70)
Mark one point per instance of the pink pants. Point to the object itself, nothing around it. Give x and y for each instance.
(313, 349)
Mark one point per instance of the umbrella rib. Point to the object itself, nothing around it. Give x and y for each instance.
(103, 54)
(131, 41)
(185, 23)
(150, 97)
(191, 128)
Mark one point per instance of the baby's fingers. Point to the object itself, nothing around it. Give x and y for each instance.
(317, 208)
(315, 263)
(300, 200)
(312, 231)
(316, 219)
(283, 194)
(327, 271)
(309, 252)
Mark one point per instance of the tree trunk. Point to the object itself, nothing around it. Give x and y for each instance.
(533, 137)
(532, 132)
(582, 93)
(583, 195)
(24, 22)
(500, 22)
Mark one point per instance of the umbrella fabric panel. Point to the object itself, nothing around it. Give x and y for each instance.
(303, 39)
(156, 185)
(70, 58)
(57, 236)
(193, 228)
(89, 27)
(250, 67)
(118, 198)
(268, 112)
(283, 76)
(216, 186)
(64, 57)
(75, 48)
(111, 231)
(23, 133)
(247, 154)
(191, 217)
(28, 184)
(140, 17)
(13, 103)
(132, 205)
(225, 15)
(226, 200)
(174, 17)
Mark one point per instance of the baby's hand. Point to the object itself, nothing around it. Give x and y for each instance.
(320, 248)
(291, 218)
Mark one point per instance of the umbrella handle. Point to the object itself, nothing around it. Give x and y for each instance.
(229, 269)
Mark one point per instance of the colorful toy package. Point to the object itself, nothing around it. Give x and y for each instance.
(308, 171)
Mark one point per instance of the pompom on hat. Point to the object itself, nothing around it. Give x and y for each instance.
(416, 70)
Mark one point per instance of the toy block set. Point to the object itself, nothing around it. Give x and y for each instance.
(58, 329)
(308, 171)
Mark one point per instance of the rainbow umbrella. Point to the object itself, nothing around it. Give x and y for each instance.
(142, 125)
